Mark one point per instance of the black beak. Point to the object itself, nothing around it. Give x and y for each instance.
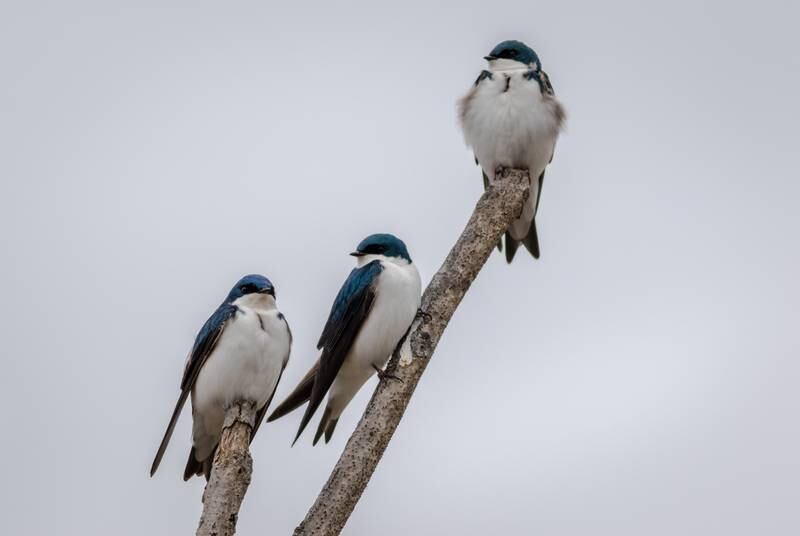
(490, 57)
(357, 254)
(270, 291)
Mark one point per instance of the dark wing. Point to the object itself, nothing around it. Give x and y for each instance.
(545, 85)
(539, 193)
(349, 311)
(542, 79)
(263, 411)
(532, 240)
(204, 344)
(483, 76)
(358, 283)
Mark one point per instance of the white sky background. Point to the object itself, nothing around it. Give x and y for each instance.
(641, 378)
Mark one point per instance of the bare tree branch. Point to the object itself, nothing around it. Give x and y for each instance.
(497, 208)
(230, 474)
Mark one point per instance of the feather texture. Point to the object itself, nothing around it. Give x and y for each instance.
(239, 354)
(348, 313)
(370, 314)
(511, 118)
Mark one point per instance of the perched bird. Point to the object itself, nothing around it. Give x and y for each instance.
(373, 310)
(239, 354)
(511, 118)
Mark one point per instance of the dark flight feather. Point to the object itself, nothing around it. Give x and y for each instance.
(204, 344)
(348, 313)
(263, 411)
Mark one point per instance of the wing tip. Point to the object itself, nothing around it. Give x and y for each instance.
(156, 462)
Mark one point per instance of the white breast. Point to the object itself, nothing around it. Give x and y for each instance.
(245, 365)
(396, 302)
(509, 123)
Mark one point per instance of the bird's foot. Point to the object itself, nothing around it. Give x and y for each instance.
(423, 315)
(383, 375)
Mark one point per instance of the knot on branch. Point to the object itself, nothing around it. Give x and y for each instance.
(243, 412)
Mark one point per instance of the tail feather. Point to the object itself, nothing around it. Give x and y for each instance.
(298, 397)
(511, 247)
(323, 424)
(329, 429)
(193, 467)
(531, 241)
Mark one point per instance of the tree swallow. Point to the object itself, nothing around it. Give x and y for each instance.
(373, 310)
(511, 118)
(239, 354)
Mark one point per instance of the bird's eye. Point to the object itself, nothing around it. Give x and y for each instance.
(375, 249)
(512, 53)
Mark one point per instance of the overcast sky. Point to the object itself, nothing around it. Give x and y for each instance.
(641, 378)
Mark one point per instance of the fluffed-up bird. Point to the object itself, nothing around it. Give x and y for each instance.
(373, 310)
(511, 119)
(239, 354)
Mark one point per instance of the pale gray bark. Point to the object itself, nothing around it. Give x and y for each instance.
(230, 474)
(495, 211)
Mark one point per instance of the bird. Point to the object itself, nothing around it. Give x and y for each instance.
(371, 313)
(511, 118)
(239, 354)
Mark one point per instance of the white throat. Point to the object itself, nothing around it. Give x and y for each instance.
(257, 302)
(366, 259)
(505, 64)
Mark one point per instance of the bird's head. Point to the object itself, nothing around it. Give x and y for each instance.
(382, 245)
(252, 288)
(513, 55)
